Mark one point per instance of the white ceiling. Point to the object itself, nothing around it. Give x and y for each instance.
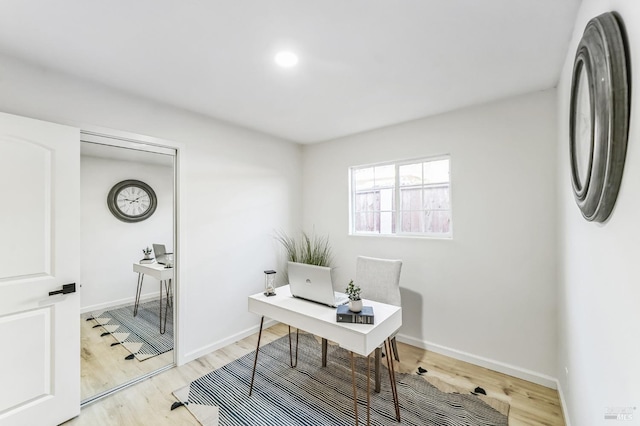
(363, 64)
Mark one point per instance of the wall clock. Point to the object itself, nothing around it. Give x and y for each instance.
(132, 201)
(599, 117)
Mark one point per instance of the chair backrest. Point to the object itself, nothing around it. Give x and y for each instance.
(379, 279)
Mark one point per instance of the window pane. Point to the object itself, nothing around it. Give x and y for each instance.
(411, 198)
(412, 221)
(366, 222)
(363, 178)
(410, 174)
(387, 199)
(437, 198)
(385, 176)
(436, 171)
(386, 223)
(438, 222)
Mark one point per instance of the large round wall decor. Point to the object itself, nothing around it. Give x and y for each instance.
(132, 201)
(599, 117)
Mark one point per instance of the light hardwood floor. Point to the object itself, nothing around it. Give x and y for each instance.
(104, 367)
(149, 402)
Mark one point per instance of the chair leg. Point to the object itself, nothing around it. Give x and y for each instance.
(394, 347)
(378, 361)
(324, 352)
(290, 354)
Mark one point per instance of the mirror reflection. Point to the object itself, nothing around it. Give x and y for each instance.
(583, 128)
(127, 281)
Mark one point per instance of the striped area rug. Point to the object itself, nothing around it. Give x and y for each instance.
(140, 335)
(312, 395)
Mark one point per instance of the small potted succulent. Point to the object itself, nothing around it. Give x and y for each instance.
(147, 253)
(353, 292)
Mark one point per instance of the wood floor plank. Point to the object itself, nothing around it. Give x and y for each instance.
(104, 367)
(149, 402)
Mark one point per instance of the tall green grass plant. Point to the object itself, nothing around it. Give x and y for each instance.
(304, 248)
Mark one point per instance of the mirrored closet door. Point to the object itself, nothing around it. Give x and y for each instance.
(127, 288)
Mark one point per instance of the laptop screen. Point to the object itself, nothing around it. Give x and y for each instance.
(159, 250)
(311, 282)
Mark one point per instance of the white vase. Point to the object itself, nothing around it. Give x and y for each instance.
(355, 305)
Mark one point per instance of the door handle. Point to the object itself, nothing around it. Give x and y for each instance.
(66, 289)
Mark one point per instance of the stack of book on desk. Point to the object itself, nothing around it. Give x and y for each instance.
(143, 261)
(365, 316)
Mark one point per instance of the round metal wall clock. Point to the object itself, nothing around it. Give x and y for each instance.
(599, 117)
(132, 201)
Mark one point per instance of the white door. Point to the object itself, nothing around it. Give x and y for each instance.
(39, 253)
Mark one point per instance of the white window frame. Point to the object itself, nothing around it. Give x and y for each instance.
(397, 195)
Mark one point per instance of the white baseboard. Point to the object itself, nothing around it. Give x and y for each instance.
(118, 303)
(563, 404)
(190, 356)
(501, 367)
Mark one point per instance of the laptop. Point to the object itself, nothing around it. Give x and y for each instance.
(160, 251)
(314, 283)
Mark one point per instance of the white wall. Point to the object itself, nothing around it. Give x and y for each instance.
(599, 316)
(488, 295)
(110, 246)
(237, 186)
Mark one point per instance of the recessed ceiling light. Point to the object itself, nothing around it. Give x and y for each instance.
(286, 59)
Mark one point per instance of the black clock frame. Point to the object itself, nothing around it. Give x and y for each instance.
(113, 205)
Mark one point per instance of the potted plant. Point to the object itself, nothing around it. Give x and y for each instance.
(353, 292)
(309, 249)
(147, 253)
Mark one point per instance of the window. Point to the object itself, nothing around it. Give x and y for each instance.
(402, 198)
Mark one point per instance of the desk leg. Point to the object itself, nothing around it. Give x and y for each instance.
(138, 291)
(167, 284)
(169, 288)
(290, 355)
(355, 392)
(392, 377)
(324, 352)
(368, 392)
(165, 311)
(255, 361)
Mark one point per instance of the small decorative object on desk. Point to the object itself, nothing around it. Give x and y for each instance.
(147, 253)
(269, 283)
(365, 316)
(147, 256)
(353, 292)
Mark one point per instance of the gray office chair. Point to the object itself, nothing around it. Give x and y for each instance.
(379, 280)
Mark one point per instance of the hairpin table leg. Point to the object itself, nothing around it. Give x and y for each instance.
(138, 291)
(368, 391)
(290, 355)
(167, 284)
(355, 392)
(255, 361)
(162, 330)
(392, 377)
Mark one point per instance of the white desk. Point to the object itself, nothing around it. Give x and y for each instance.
(164, 276)
(320, 320)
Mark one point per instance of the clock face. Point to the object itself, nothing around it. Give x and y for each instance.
(132, 201)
